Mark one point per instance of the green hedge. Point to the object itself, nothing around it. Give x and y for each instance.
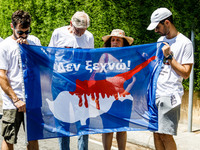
(131, 16)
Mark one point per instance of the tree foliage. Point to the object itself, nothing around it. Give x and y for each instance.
(131, 16)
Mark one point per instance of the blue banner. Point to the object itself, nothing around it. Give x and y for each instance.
(73, 92)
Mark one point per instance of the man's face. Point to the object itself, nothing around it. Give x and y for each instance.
(162, 29)
(19, 32)
(79, 31)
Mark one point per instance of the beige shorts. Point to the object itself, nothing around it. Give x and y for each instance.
(11, 122)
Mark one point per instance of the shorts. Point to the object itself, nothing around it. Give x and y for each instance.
(168, 117)
(11, 122)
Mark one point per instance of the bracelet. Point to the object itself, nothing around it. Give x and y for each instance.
(16, 100)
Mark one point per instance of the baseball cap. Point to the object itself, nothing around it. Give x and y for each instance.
(157, 16)
(80, 20)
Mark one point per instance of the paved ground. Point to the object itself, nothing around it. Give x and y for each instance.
(184, 140)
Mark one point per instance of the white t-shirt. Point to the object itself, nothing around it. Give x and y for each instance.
(1, 39)
(61, 37)
(9, 60)
(169, 82)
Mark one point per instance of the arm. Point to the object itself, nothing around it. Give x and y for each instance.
(181, 69)
(6, 87)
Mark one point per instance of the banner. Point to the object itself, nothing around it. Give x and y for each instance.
(73, 92)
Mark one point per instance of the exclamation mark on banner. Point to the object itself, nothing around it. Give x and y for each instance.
(129, 65)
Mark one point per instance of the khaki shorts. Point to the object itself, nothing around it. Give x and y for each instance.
(11, 122)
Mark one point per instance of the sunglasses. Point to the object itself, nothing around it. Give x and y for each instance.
(22, 32)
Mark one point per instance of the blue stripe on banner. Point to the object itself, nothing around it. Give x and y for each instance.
(73, 92)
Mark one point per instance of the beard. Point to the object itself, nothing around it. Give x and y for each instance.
(165, 32)
(162, 34)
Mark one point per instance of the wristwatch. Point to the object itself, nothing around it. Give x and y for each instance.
(170, 56)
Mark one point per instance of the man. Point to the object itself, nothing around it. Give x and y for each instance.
(74, 36)
(178, 61)
(14, 106)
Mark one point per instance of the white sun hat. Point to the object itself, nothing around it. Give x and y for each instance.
(80, 20)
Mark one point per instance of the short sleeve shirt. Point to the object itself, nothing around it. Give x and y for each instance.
(169, 82)
(9, 61)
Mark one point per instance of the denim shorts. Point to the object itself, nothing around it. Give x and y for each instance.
(11, 122)
(168, 116)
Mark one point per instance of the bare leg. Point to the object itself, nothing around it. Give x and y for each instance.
(33, 145)
(6, 146)
(158, 142)
(168, 142)
(164, 142)
(121, 140)
(107, 140)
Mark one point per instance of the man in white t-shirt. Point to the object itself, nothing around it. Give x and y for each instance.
(177, 65)
(11, 79)
(75, 35)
